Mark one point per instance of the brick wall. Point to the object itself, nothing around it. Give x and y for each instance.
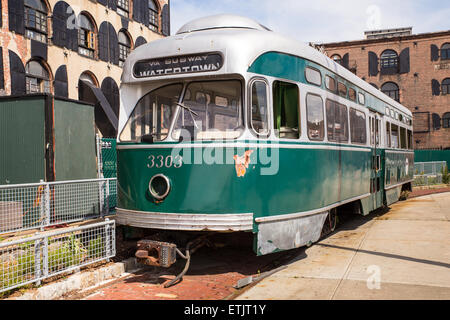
(76, 64)
(415, 86)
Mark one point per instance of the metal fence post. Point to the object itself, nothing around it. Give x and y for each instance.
(45, 266)
(101, 199)
(108, 239)
(107, 196)
(47, 205)
(99, 156)
(37, 261)
(42, 209)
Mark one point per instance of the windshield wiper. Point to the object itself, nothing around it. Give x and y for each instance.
(190, 111)
(187, 108)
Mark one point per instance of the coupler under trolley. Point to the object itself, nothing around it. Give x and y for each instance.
(164, 254)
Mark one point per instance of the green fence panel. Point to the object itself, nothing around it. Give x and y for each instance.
(432, 155)
(22, 140)
(109, 157)
(75, 154)
(109, 166)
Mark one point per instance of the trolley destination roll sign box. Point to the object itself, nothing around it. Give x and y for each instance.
(178, 65)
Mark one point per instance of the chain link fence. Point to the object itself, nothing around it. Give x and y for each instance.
(32, 259)
(39, 205)
(429, 173)
(107, 165)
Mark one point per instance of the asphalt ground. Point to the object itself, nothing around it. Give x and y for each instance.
(400, 254)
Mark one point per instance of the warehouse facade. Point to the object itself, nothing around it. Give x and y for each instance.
(75, 49)
(413, 69)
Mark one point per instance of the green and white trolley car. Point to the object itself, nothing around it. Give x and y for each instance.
(227, 126)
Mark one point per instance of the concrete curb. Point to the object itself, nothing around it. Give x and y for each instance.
(80, 281)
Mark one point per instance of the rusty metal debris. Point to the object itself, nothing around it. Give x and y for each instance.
(163, 254)
(155, 253)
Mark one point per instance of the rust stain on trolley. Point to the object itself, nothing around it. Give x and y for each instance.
(242, 162)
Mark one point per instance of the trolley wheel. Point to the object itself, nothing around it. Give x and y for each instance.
(330, 222)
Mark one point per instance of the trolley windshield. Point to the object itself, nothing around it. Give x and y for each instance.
(211, 110)
(208, 110)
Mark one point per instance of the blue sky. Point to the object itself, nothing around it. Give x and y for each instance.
(323, 20)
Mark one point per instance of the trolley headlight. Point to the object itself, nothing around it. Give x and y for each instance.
(159, 186)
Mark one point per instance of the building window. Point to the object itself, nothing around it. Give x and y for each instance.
(389, 60)
(391, 90)
(37, 78)
(153, 16)
(36, 20)
(123, 8)
(445, 51)
(446, 120)
(336, 58)
(86, 37)
(124, 47)
(446, 86)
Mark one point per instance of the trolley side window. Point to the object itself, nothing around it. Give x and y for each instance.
(388, 134)
(403, 138)
(313, 76)
(286, 110)
(352, 94)
(358, 126)
(330, 84)
(259, 121)
(152, 115)
(314, 110)
(213, 110)
(395, 136)
(410, 140)
(337, 122)
(342, 89)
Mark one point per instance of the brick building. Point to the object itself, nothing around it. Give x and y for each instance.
(75, 49)
(414, 69)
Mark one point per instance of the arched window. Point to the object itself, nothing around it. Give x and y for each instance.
(445, 51)
(36, 20)
(336, 58)
(84, 94)
(374, 85)
(37, 78)
(446, 120)
(153, 15)
(123, 8)
(391, 89)
(446, 86)
(389, 59)
(125, 44)
(86, 36)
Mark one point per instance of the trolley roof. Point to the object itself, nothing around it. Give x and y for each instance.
(241, 41)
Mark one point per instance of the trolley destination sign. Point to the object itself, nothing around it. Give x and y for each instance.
(178, 65)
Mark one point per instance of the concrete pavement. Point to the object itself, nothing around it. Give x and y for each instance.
(401, 254)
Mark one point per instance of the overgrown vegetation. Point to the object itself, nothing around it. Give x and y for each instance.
(19, 265)
(445, 175)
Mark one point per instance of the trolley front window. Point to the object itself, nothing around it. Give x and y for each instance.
(210, 110)
(153, 115)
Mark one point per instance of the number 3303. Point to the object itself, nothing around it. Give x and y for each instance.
(166, 162)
